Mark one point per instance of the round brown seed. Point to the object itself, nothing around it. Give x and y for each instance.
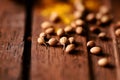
(43, 34)
(98, 16)
(79, 30)
(41, 40)
(46, 25)
(63, 40)
(68, 29)
(49, 30)
(71, 39)
(60, 32)
(105, 19)
(70, 48)
(52, 41)
(78, 14)
(54, 17)
(95, 50)
(118, 24)
(117, 32)
(90, 44)
(103, 62)
(73, 24)
(102, 35)
(79, 22)
(90, 17)
(104, 10)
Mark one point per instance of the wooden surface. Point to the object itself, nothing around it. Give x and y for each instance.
(11, 40)
(22, 59)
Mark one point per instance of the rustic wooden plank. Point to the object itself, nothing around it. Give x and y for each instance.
(52, 63)
(11, 40)
(108, 72)
(116, 40)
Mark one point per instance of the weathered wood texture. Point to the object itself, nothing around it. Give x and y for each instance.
(52, 63)
(11, 40)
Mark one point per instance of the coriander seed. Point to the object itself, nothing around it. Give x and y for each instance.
(52, 41)
(43, 34)
(90, 17)
(79, 30)
(79, 22)
(95, 50)
(41, 40)
(90, 44)
(46, 25)
(63, 41)
(103, 62)
(104, 10)
(49, 30)
(60, 32)
(117, 32)
(102, 35)
(68, 29)
(71, 39)
(77, 14)
(70, 48)
(54, 17)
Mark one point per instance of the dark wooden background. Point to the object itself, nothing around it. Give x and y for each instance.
(21, 58)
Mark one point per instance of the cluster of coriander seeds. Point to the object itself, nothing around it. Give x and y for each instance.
(103, 17)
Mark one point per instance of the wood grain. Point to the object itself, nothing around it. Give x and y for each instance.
(53, 64)
(116, 40)
(11, 40)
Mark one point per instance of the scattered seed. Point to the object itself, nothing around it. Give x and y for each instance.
(90, 44)
(118, 24)
(77, 14)
(98, 16)
(104, 10)
(63, 41)
(68, 29)
(52, 41)
(79, 30)
(73, 24)
(90, 17)
(70, 48)
(79, 22)
(117, 32)
(102, 35)
(43, 34)
(71, 40)
(54, 17)
(60, 32)
(105, 19)
(46, 25)
(41, 40)
(95, 50)
(80, 7)
(49, 30)
(103, 62)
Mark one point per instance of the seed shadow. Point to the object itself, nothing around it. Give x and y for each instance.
(76, 52)
(111, 66)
